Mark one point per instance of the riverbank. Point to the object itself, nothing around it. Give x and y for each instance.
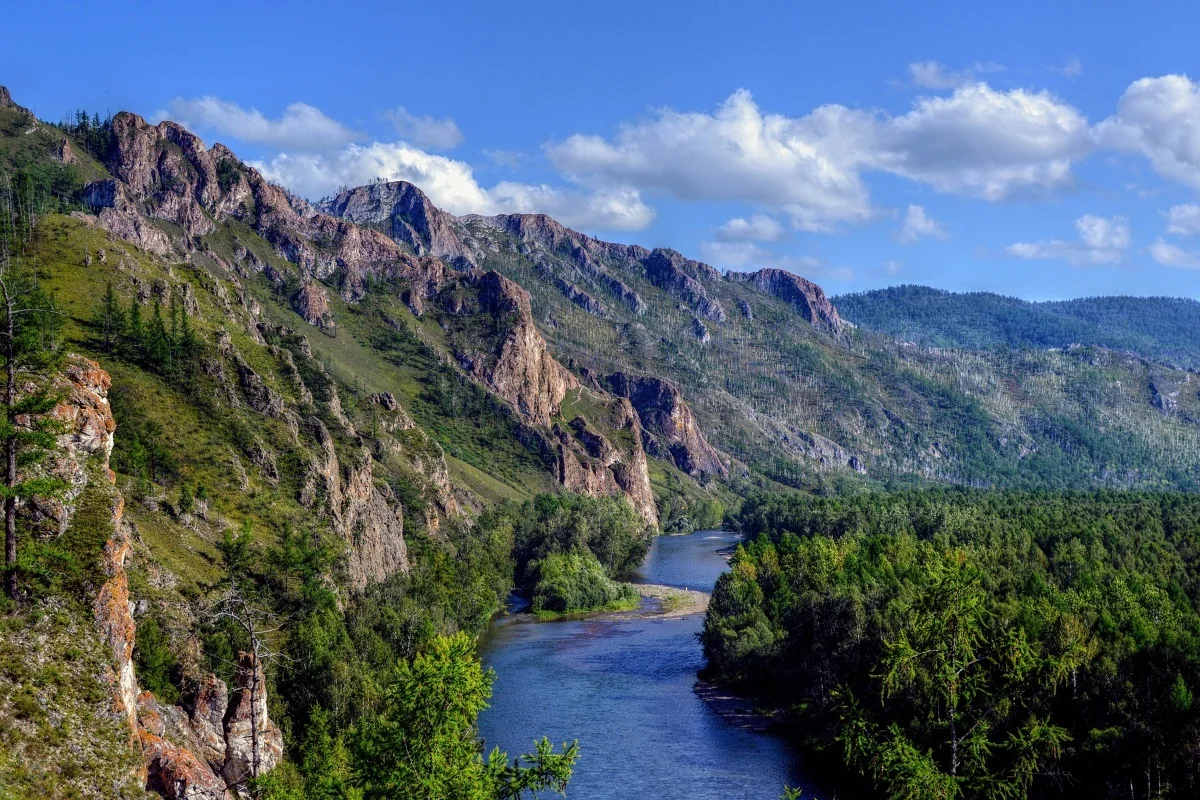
(674, 601)
(736, 710)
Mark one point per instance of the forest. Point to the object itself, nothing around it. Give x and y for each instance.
(960, 643)
(1157, 327)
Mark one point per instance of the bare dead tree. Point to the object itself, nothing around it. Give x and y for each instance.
(233, 606)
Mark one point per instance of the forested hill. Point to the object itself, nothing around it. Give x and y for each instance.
(1165, 329)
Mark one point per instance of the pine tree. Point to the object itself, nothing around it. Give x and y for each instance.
(135, 330)
(110, 319)
(158, 341)
(30, 325)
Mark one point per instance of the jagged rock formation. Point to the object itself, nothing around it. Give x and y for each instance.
(521, 370)
(311, 303)
(803, 295)
(668, 420)
(174, 771)
(592, 463)
(371, 522)
(403, 212)
(682, 278)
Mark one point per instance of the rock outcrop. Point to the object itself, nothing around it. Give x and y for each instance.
(803, 295)
(589, 463)
(683, 278)
(358, 510)
(253, 744)
(520, 369)
(666, 417)
(404, 213)
(312, 303)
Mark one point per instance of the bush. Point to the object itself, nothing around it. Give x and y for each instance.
(575, 581)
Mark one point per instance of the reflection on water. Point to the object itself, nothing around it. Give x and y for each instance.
(623, 688)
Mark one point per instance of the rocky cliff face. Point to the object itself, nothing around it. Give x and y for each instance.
(162, 172)
(404, 213)
(605, 457)
(806, 297)
(670, 422)
(520, 369)
(193, 771)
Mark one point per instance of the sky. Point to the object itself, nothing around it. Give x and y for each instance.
(1045, 149)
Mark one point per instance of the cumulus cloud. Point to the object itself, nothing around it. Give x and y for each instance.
(1171, 256)
(806, 167)
(424, 131)
(983, 143)
(749, 256)
(300, 127)
(1159, 118)
(1102, 240)
(919, 225)
(1184, 220)
(451, 185)
(759, 228)
(978, 142)
(932, 75)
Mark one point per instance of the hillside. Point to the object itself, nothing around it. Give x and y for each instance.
(364, 420)
(1162, 329)
(780, 382)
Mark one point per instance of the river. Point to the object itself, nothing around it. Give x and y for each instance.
(624, 688)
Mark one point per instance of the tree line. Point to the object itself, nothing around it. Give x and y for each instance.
(971, 644)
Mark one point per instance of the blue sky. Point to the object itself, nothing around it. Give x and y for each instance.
(1044, 150)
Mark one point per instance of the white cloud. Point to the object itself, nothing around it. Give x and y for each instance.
(805, 167)
(425, 131)
(759, 228)
(300, 127)
(983, 143)
(918, 225)
(1171, 256)
(1072, 69)
(932, 75)
(1184, 220)
(1159, 118)
(748, 256)
(978, 142)
(451, 185)
(1101, 241)
(893, 268)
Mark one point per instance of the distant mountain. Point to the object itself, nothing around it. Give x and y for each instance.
(1164, 329)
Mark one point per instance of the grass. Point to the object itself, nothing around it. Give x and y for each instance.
(623, 604)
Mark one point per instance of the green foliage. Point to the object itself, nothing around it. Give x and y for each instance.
(422, 743)
(1157, 327)
(157, 667)
(607, 527)
(972, 644)
(575, 581)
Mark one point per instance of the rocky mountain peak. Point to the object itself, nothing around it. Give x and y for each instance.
(806, 297)
(404, 212)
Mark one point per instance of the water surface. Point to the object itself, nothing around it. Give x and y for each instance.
(623, 688)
